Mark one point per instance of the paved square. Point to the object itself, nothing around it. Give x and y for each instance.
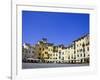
(49, 65)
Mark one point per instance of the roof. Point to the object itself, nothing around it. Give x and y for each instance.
(81, 37)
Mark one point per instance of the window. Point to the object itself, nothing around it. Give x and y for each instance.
(43, 49)
(72, 57)
(87, 48)
(83, 49)
(74, 51)
(68, 57)
(62, 58)
(84, 55)
(87, 44)
(80, 50)
(46, 52)
(83, 45)
(42, 54)
(60, 53)
(81, 55)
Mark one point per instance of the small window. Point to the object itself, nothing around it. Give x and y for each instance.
(46, 52)
(68, 57)
(80, 50)
(72, 57)
(87, 48)
(43, 49)
(60, 53)
(84, 55)
(83, 49)
(62, 58)
(81, 55)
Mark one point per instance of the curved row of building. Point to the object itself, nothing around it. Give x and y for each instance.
(76, 52)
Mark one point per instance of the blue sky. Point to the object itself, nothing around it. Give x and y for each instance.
(58, 28)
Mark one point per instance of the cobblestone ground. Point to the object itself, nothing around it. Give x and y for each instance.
(49, 65)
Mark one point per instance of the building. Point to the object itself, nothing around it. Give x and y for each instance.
(82, 49)
(76, 52)
(70, 53)
(42, 50)
(28, 52)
